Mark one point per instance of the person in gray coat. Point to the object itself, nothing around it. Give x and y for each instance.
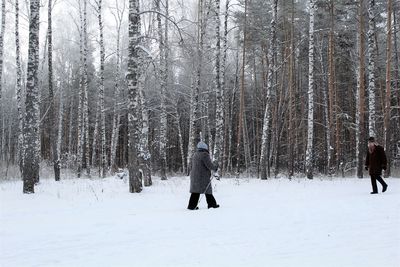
(200, 174)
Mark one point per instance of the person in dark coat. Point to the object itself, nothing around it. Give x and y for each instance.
(200, 174)
(376, 162)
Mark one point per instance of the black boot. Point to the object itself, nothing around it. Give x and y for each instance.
(384, 187)
(214, 206)
(373, 192)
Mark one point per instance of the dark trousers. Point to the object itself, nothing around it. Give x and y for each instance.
(194, 200)
(378, 178)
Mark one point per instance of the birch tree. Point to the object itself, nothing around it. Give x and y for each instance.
(102, 123)
(310, 117)
(118, 16)
(371, 68)
(19, 88)
(31, 159)
(265, 139)
(135, 179)
(219, 113)
(163, 87)
(85, 81)
(387, 114)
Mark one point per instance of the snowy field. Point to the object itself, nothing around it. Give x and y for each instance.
(82, 222)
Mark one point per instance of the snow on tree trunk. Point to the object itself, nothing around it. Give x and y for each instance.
(57, 164)
(265, 139)
(219, 113)
(371, 68)
(163, 84)
(135, 179)
(19, 88)
(144, 152)
(31, 159)
(310, 117)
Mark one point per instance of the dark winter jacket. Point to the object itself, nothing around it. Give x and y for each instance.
(376, 161)
(201, 167)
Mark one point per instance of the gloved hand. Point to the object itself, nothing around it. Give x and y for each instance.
(216, 176)
(384, 167)
(366, 167)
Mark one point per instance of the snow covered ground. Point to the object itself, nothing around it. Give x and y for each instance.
(82, 222)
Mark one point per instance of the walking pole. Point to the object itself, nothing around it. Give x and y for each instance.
(213, 176)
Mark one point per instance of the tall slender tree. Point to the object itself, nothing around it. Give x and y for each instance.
(388, 98)
(31, 159)
(135, 179)
(219, 113)
(361, 92)
(265, 139)
(310, 117)
(19, 87)
(371, 69)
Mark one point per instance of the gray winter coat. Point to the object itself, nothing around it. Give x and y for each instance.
(201, 167)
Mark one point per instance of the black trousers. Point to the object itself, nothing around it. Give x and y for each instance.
(194, 200)
(378, 178)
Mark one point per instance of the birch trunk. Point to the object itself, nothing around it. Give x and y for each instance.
(102, 123)
(85, 89)
(135, 179)
(19, 89)
(219, 114)
(387, 115)
(163, 87)
(223, 89)
(265, 138)
(371, 68)
(30, 172)
(310, 124)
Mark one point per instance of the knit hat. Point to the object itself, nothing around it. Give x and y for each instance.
(371, 139)
(202, 145)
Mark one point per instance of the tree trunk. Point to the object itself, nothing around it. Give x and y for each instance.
(310, 124)
(30, 172)
(241, 98)
(361, 94)
(219, 113)
(266, 136)
(163, 85)
(371, 68)
(135, 179)
(19, 89)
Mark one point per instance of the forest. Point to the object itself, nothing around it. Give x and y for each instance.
(275, 88)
